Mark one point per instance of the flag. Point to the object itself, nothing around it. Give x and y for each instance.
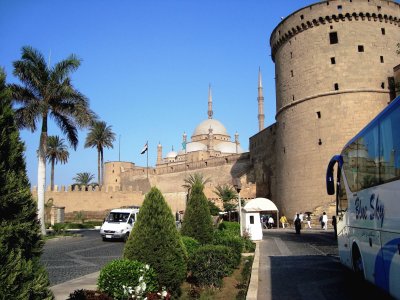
(144, 148)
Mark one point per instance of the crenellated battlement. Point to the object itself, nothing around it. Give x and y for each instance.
(333, 11)
(88, 189)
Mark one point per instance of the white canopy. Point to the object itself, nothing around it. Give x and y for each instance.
(260, 204)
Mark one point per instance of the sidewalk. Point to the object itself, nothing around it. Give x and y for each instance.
(63, 290)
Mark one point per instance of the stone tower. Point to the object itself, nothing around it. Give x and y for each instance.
(333, 64)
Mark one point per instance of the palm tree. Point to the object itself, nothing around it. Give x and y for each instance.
(56, 152)
(84, 178)
(100, 136)
(47, 92)
(227, 194)
(196, 178)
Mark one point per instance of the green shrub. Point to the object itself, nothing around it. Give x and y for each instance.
(22, 275)
(248, 245)
(126, 273)
(243, 285)
(59, 228)
(231, 227)
(209, 264)
(197, 222)
(232, 241)
(156, 241)
(191, 245)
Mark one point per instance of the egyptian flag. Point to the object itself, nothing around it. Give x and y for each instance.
(144, 148)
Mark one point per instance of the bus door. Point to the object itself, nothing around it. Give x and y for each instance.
(341, 207)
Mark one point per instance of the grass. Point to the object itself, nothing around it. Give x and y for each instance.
(234, 286)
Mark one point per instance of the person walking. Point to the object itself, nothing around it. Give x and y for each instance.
(325, 221)
(270, 222)
(297, 224)
(283, 220)
(308, 218)
(334, 226)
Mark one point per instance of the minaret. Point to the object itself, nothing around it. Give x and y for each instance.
(210, 112)
(260, 100)
(210, 139)
(237, 142)
(159, 153)
(184, 141)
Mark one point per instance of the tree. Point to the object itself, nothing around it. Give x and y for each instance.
(48, 92)
(56, 152)
(100, 136)
(22, 275)
(84, 178)
(197, 222)
(228, 196)
(155, 241)
(192, 179)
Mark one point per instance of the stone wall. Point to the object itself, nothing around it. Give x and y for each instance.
(262, 156)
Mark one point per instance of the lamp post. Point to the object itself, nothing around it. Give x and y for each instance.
(238, 186)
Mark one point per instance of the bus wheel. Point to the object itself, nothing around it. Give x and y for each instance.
(358, 266)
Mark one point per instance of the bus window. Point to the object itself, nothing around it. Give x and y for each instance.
(368, 158)
(390, 146)
(350, 166)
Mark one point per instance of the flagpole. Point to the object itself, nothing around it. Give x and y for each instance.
(147, 160)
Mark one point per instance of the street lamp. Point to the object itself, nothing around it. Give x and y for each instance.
(238, 186)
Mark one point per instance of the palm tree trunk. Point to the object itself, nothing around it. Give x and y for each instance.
(42, 180)
(102, 167)
(98, 166)
(52, 175)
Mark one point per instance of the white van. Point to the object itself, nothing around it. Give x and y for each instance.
(118, 223)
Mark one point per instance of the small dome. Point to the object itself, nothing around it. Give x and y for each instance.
(171, 154)
(195, 146)
(227, 147)
(204, 126)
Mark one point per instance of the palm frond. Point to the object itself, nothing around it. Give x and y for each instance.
(67, 127)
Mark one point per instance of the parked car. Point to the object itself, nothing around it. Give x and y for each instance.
(119, 223)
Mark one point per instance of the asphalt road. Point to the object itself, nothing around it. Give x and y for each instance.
(307, 266)
(71, 258)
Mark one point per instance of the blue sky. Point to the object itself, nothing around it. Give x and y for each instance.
(146, 67)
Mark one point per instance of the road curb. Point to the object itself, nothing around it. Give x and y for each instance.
(253, 285)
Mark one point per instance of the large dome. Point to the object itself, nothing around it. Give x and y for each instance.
(204, 126)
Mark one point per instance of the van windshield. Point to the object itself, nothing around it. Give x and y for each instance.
(117, 217)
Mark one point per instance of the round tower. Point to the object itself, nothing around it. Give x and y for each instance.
(334, 62)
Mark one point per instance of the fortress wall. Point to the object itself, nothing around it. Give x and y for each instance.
(92, 200)
(314, 117)
(262, 155)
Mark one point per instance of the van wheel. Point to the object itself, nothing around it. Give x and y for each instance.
(358, 266)
(104, 239)
(126, 236)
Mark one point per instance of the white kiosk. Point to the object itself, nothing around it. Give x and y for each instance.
(251, 216)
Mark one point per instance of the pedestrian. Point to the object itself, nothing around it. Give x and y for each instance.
(283, 220)
(325, 221)
(308, 218)
(334, 226)
(320, 221)
(270, 222)
(297, 224)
